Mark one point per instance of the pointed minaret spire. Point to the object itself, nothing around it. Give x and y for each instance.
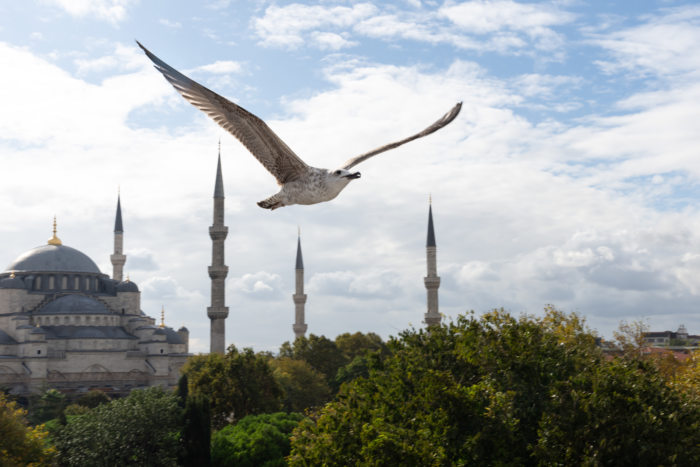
(162, 316)
(218, 311)
(54, 240)
(299, 296)
(118, 258)
(432, 280)
(219, 184)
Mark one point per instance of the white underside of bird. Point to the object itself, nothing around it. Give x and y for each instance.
(300, 183)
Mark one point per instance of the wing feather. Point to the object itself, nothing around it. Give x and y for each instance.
(444, 120)
(250, 130)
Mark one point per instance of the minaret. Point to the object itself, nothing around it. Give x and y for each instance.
(432, 280)
(118, 258)
(299, 296)
(218, 271)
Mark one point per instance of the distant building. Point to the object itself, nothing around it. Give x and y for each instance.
(66, 325)
(680, 338)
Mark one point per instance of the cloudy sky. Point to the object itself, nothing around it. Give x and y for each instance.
(571, 177)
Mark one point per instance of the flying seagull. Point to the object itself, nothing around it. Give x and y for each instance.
(301, 183)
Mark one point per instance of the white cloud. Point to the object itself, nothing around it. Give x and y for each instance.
(260, 285)
(113, 11)
(331, 41)
(664, 46)
(220, 67)
(286, 26)
(170, 24)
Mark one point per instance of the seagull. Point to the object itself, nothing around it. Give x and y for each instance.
(300, 183)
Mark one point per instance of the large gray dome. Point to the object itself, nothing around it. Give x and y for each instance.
(53, 258)
(74, 304)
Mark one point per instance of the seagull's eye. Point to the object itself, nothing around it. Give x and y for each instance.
(337, 172)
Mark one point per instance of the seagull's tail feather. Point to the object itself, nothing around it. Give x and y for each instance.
(271, 203)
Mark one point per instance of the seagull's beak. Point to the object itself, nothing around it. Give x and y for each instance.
(353, 176)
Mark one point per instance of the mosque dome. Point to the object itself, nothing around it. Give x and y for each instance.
(12, 283)
(74, 304)
(53, 258)
(127, 286)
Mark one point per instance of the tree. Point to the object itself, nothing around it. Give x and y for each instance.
(48, 405)
(303, 386)
(140, 429)
(93, 398)
(237, 384)
(21, 444)
(196, 432)
(256, 440)
(320, 352)
(500, 390)
(622, 413)
(359, 344)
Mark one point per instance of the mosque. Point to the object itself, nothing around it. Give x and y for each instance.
(66, 325)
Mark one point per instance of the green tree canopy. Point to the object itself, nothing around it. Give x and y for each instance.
(237, 384)
(303, 386)
(358, 344)
(93, 398)
(255, 441)
(500, 390)
(141, 429)
(320, 352)
(21, 444)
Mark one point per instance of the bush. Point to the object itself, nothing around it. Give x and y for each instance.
(255, 441)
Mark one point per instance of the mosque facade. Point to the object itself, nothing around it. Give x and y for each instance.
(66, 325)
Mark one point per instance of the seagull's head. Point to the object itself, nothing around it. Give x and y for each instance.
(341, 177)
(343, 174)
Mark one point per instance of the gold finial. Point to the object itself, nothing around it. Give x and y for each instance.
(298, 231)
(219, 145)
(162, 316)
(430, 199)
(127, 278)
(12, 274)
(54, 240)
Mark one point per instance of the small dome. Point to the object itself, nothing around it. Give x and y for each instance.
(127, 286)
(74, 304)
(50, 258)
(12, 283)
(183, 329)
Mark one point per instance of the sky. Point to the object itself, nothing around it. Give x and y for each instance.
(571, 176)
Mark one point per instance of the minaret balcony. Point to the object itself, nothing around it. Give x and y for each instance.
(218, 272)
(299, 299)
(218, 232)
(217, 313)
(431, 282)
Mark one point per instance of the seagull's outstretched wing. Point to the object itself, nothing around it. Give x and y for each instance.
(447, 118)
(250, 130)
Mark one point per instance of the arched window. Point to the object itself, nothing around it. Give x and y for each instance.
(37, 283)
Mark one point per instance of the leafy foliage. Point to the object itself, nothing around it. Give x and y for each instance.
(237, 384)
(359, 344)
(196, 432)
(141, 429)
(46, 406)
(303, 386)
(320, 352)
(93, 398)
(21, 444)
(256, 440)
(501, 390)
